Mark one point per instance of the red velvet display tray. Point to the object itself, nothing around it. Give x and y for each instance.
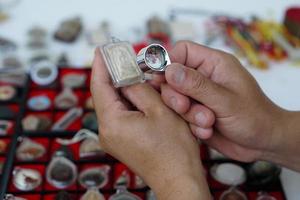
(47, 138)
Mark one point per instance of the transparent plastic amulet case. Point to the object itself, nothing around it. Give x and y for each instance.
(127, 68)
(120, 60)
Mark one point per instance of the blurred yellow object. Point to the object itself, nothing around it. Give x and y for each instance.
(251, 54)
(266, 29)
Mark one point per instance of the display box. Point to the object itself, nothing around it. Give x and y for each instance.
(48, 139)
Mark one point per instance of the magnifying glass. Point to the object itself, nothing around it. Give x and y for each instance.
(154, 57)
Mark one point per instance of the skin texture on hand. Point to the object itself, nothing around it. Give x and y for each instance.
(287, 151)
(221, 101)
(154, 141)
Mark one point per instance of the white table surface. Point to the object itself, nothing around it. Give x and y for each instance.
(281, 82)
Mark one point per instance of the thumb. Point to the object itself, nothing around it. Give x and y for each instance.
(192, 83)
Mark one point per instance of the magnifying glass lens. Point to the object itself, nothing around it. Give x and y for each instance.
(155, 57)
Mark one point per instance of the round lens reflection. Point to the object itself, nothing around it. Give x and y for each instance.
(155, 57)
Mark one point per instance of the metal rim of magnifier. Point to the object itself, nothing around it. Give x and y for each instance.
(143, 64)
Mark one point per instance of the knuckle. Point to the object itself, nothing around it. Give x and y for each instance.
(227, 59)
(223, 54)
(161, 110)
(157, 110)
(216, 57)
(228, 56)
(181, 43)
(198, 83)
(233, 59)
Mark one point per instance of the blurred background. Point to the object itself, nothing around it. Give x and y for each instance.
(264, 35)
(127, 20)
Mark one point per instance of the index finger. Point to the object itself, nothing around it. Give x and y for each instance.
(105, 97)
(191, 54)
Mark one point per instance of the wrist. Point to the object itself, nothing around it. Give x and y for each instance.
(271, 131)
(190, 184)
(185, 188)
(285, 141)
(280, 121)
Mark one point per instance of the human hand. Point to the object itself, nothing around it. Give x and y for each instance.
(221, 101)
(152, 139)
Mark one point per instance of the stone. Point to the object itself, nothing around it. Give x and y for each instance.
(7, 45)
(123, 194)
(228, 173)
(26, 179)
(262, 173)
(92, 194)
(73, 80)
(29, 150)
(5, 126)
(7, 92)
(69, 30)
(139, 182)
(39, 103)
(63, 60)
(61, 172)
(12, 62)
(123, 180)
(66, 99)
(94, 177)
(36, 123)
(233, 194)
(90, 121)
(63, 195)
(90, 148)
(3, 146)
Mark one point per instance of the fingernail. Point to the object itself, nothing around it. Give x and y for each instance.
(173, 102)
(203, 133)
(200, 118)
(179, 75)
(199, 132)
